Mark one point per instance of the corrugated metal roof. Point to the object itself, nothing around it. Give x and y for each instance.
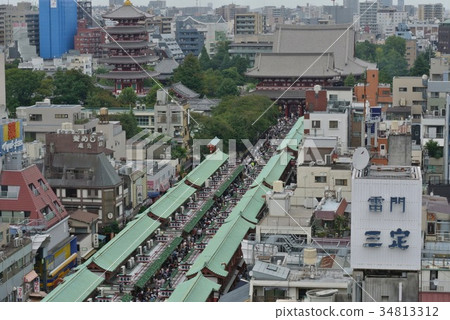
(206, 168)
(294, 137)
(221, 247)
(172, 200)
(196, 289)
(121, 246)
(273, 169)
(76, 287)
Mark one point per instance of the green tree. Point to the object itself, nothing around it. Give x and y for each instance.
(178, 152)
(366, 51)
(240, 63)
(433, 148)
(211, 82)
(391, 65)
(420, 67)
(204, 59)
(234, 118)
(150, 98)
(127, 97)
(350, 80)
(234, 75)
(128, 122)
(227, 88)
(397, 44)
(189, 73)
(21, 86)
(101, 98)
(71, 87)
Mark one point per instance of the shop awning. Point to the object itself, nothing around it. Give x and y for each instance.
(30, 276)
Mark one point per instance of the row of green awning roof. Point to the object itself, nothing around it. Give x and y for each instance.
(221, 247)
(172, 200)
(273, 169)
(206, 168)
(156, 265)
(191, 224)
(230, 180)
(124, 243)
(250, 205)
(294, 137)
(76, 287)
(197, 289)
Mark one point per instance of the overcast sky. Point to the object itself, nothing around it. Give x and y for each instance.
(251, 3)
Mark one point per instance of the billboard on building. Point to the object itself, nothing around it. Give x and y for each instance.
(386, 221)
(11, 136)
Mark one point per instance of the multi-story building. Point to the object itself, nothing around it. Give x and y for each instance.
(386, 232)
(353, 5)
(164, 24)
(444, 37)
(82, 176)
(388, 20)
(57, 27)
(410, 92)
(2, 86)
(171, 47)
(84, 11)
(21, 14)
(431, 12)
(44, 117)
(411, 52)
(248, 23)
(88, 39)
(229, 12)
(248, 46)
(192, 33)
(128, 49)
(161, 4)
(339, 14)
(17, 276)
(29, 203)
(368, 16)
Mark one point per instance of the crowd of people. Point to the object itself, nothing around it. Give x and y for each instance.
(253, 163)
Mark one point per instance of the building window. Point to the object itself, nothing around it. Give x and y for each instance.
(418, 89)
(61, 116)
(341, 182)
(35, 117)
(334, 124)
(71, 193)
(403, 89)
(33, 189)
(320, 179)
(316, 124)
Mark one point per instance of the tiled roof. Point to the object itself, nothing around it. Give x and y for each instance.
(184, 91)
(27, 200)
(83, 216)
(125, 12)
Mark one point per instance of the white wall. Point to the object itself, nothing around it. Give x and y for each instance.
(363, 220)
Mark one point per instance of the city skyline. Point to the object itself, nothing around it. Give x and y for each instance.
(251, 3)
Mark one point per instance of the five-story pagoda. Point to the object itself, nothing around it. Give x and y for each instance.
(129, 48)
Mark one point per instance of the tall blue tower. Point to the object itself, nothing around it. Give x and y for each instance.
(57, 27)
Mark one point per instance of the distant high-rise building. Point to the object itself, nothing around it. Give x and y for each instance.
(339, 14)
(115, 3)
(84, 11)
(384, 3)
(248, 23)
(400, 5)
(368, 16)
(353, 5)
(228, 12)
(430, 12)
(157, 4)
(11, 16)
(57, 27)
(444, 37)
(2, 86)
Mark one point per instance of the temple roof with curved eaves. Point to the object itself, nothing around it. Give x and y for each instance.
(127, 11)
